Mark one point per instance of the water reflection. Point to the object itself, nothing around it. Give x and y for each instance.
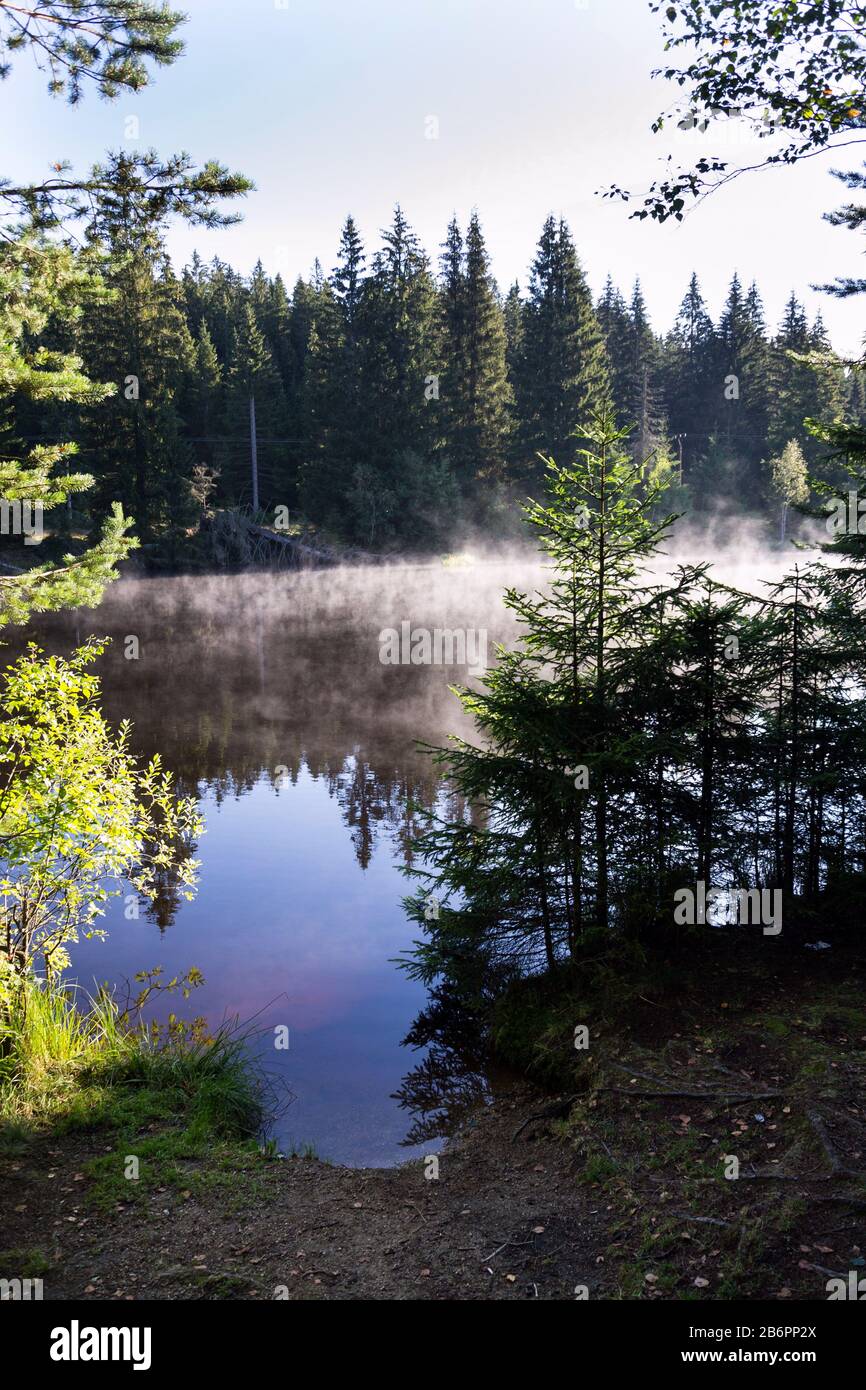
(452, 1076)
(267, 700)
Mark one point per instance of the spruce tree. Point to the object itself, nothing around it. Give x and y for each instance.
(741, 391)
(804, 382)
(334, 419)
(487, 389)
(552, 781)
(612, 314)
(474, 389)
(140, 341)
(202, 406)
(512, 314)
(452, 343)
(397, 490)
(563, 374)
(643, 400)
(690, 378)
(270, 305)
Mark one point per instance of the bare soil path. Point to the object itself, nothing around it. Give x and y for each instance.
(504, 1219)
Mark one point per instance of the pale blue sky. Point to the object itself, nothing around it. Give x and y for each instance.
(324, 103)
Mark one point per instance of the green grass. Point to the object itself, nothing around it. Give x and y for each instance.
(23, 1264)
(597, 1168)
(70, 1062)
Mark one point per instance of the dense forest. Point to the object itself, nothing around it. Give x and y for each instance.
(635, 848)
(401, 406)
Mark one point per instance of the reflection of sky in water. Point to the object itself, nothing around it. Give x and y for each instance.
(286, 926)
(298, 915)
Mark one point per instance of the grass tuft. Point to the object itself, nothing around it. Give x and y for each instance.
(69, 1061)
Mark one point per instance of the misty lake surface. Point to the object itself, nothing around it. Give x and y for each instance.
(267, 700)
(266, 697)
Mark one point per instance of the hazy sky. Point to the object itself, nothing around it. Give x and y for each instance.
(539, 103)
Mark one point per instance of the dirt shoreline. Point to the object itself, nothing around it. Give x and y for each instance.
(617, 1187)
(504, 1219)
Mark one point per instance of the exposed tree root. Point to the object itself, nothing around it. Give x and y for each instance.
(838, 1169)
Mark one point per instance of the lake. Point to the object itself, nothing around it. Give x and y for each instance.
(267, 698)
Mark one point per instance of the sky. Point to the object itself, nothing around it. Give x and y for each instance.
(329, 106)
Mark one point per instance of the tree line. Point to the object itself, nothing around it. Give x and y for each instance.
(398, 402)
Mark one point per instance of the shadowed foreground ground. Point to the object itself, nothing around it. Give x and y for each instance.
(614, 1183)
(504, 1220)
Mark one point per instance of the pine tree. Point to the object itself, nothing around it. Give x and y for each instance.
(109, 43)
(563, 374)
(42, 283)
(474, 388)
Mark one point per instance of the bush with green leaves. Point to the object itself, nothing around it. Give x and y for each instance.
(79, 818)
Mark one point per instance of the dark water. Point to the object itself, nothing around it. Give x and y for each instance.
(266, 697)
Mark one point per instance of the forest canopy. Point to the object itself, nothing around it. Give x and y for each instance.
(401, 400)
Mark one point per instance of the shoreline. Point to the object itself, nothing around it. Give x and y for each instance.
(607, 1188)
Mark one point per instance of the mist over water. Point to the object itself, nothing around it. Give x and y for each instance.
(266, 697)
(736, 548)
(267, 700)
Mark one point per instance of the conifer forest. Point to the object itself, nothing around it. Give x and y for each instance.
(433, 674)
